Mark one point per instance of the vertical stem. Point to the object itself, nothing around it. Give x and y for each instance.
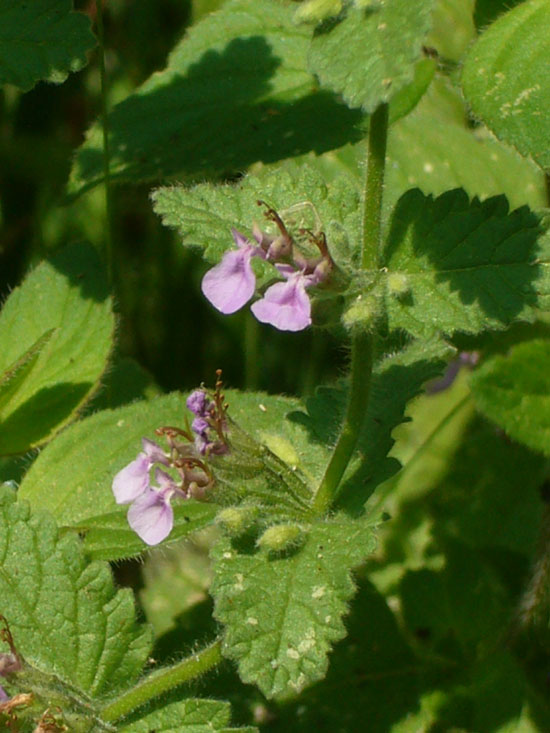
(362, 345)
(108, 253)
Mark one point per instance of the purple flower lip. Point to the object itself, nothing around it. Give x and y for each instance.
(231, 283)
(286, 305)
(151, 515)
(133, 480)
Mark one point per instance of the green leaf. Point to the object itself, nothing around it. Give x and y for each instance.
(368, 54)
(205, 214)
(42, 39)
(468, 266)
(187, 716)
(15, 374)
(65, 615)
(236, 90)
(505, 79)
(281, 614)
(69, 294)
(72, 476)
(514, 392)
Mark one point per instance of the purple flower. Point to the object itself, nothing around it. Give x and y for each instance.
(286, 305)
(151, 515)
(197, 402)
(3, 695)
(133, 480)
(231, 283)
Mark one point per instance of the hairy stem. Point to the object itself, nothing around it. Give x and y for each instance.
(108, 252)
(362, 346)
(162, 681)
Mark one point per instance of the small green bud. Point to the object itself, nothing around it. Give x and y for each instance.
(398, 284)
(315, 11)
(281, 537)
(237, 520)
(361, 314)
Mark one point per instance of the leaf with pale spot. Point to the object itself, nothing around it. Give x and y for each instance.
(369, 54)
(282, 614)
(506, 81)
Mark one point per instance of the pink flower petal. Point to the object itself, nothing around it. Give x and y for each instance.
(231, 283)
(151, 516)
(285, 305)
(132, 481)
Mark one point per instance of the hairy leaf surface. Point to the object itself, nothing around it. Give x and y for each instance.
(281, 614)
(187, 716)
(368, 54)
(65, 615)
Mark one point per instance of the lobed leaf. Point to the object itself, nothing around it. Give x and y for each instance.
(505, 79)
(281, 614)
(368, 54)
(467, 266)
(42, 39)
(247, 63)
(64, 614)
(67, 296)
(514, 392)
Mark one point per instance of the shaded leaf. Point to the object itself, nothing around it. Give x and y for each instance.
(42, 39)
(248, 63)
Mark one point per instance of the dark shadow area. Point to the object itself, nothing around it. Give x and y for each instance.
(33, 421)
(218, 119)
(82, 267)
(483, 252)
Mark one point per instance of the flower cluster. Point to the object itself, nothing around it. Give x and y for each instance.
(286, 305)
(188, 476)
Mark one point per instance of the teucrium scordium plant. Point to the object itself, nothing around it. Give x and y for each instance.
(332, 616)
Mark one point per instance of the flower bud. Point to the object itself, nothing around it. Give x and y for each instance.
(361, 314)
(315, 11)
(281, 537)
(237, 520)
(398, 285)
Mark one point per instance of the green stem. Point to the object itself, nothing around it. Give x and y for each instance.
(162, 681)
(372, 210)
(106, 148)
(362, 346)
